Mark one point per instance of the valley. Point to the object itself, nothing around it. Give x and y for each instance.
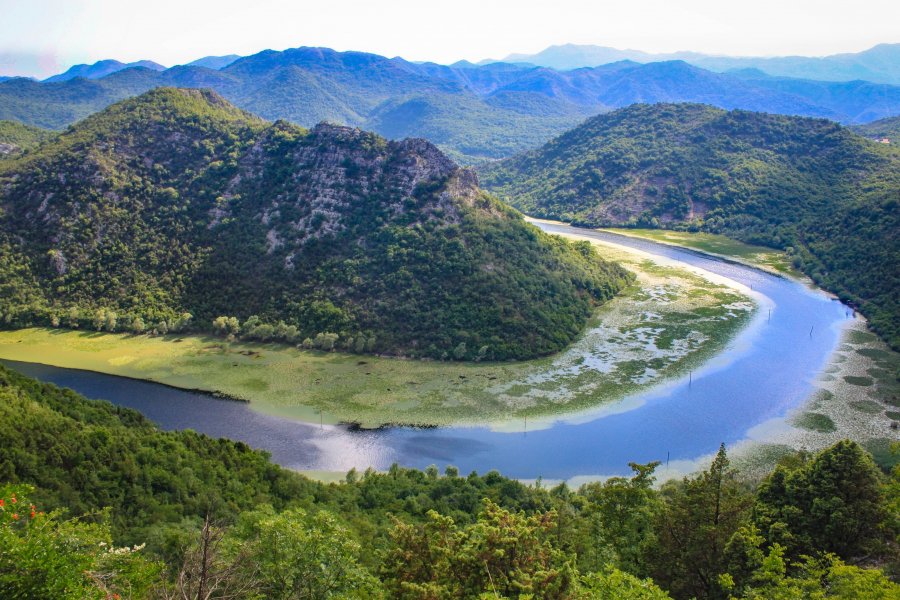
(736, 395)
(343, 310)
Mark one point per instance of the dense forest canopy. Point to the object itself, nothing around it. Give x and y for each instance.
(176, 211)
(16, 137)
(165, 514)
(806, 185)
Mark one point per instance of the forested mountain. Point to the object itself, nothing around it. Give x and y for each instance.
(883, 128)
(176, 207)
(15, 137)
(880, 63)
(185, 511)
(473, 112)
(214, 62)
(809, 185)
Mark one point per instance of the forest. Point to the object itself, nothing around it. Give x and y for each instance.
(808, 186)
(96, 502)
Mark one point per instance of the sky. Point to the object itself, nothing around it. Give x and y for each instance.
(41, 37)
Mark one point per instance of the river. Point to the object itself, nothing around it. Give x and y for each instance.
(766, 371)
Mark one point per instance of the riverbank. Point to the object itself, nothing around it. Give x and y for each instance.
(670, 322)
(761, 257)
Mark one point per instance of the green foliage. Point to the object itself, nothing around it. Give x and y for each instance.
(809, 186)
(16, 137)
(178, 203)
(45, 555)
(883, 128)
(296, 555)
(502, 554)
(697, 521)
(833, 503)
(82, 454)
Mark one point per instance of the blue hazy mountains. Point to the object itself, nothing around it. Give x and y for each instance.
(474, 112)
(103, 68)
(879, 64)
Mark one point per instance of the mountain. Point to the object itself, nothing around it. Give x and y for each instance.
(178, 202)
(15, 137)
(880, 64)
(809, 185)
(565, 57)
(103, 68)
(475, 113)
(879, 130)
(214, 62)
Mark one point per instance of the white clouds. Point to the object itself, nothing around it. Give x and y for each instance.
(174, 31)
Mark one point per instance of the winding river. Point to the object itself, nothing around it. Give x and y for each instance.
(767, 371)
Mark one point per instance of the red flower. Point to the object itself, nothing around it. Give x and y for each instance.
(13, 500)
(15, 516)
(2, 502)
(32, 514)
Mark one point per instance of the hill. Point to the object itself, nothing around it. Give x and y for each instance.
(177, 202)
(883, 128)
(473, 112)
(15, 137)
(808, 185)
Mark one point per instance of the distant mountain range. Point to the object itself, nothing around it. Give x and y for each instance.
(807, 185)
(472, 112)
(880, 64)
(102, 69)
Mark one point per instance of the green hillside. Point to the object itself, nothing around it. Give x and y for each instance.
(171, 210)
(807, 185)
(15, 137)
(883, 128)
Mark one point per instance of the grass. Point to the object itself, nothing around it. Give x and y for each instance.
(762, 257)
(815, 422)
(670, 321)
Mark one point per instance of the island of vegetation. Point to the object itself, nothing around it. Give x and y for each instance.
(176, 211)
(811, 187)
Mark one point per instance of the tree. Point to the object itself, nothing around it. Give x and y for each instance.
(503, 554)
(698, 518)
(209, 571)
(295, 555)
(622, 512)
(833, 504)
(137, 325)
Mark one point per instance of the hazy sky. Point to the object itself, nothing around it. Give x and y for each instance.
(42, 37)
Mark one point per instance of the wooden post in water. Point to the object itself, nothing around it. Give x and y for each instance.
(769, 320)
(810, 331)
